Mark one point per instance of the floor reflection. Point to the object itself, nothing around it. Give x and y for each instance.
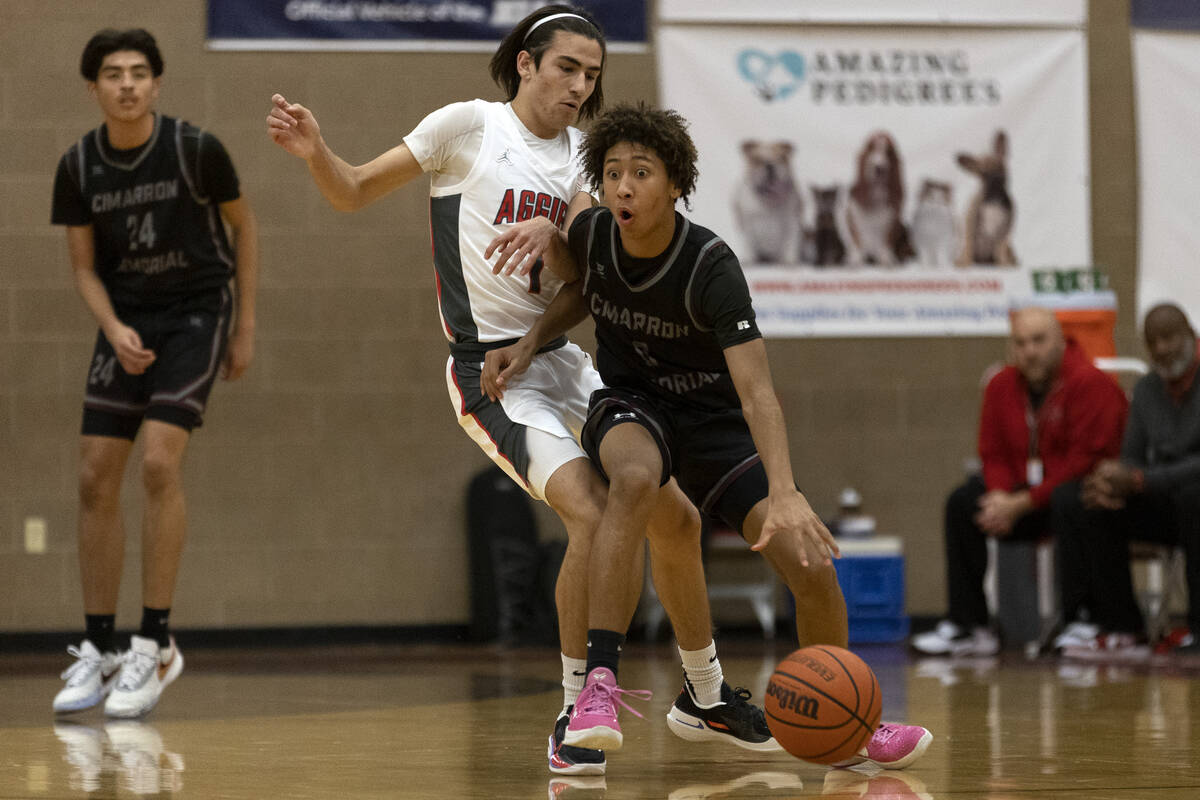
(108, 758)
(762, 783)
(893, 785)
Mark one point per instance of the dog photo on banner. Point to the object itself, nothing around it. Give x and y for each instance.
(885, 179)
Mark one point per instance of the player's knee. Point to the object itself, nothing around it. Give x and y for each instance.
(814, 580)
(159, 471)
(632, 484)
(97, 486)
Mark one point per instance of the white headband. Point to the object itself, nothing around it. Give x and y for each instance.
(560, 15)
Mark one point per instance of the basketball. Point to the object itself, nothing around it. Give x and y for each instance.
(823, 704)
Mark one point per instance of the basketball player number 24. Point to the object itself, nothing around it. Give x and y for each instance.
(140, 232)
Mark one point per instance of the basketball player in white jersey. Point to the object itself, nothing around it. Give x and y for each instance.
(493, 165)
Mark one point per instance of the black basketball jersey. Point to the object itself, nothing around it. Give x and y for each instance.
(662, 324)
(158, 239)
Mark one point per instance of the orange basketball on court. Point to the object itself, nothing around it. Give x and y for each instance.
(823, 704)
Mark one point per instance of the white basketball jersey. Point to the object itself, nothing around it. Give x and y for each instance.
(507, 183)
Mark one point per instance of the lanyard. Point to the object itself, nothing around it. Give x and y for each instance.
(1031, 422)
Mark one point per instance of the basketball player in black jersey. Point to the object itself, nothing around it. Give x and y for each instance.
(146, 200)
(688, 394)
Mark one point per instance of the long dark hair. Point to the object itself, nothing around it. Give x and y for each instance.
(504, 63)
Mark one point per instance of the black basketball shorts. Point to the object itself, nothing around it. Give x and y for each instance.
(711, 454)
(188, 340)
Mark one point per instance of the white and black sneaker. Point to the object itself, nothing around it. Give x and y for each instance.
(89, 679)
(146, 670)
(734, 720)
(948, 639)
(567, 759)
(1076, 634)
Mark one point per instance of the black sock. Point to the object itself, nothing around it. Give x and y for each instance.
(100, 631)
(154, 625)
(604, 649)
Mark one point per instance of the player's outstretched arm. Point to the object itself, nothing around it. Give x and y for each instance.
(347, 188)
(788, 511)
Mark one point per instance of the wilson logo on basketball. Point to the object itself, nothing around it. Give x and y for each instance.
(797, 703)
(821, 671)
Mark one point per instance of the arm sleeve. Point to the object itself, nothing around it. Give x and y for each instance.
(217, 178)
(1136, 442)
(578, 234)
(1135, 448)
(722, 299)
(437, 138)
(997, 464)
(68, 207)
(1097, 410)
(1163, 477)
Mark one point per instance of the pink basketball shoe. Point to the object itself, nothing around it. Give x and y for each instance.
(594, 719)
(893, 746)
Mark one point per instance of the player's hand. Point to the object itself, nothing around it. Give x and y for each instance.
(293, 127)
(239, 354)
(502, 365)
(127, 344)
(791, 522)
(521, 246)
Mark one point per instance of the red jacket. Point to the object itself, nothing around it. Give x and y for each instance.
(1079, 423)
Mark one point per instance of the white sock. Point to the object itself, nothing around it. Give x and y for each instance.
(574, 675)
(703, 670)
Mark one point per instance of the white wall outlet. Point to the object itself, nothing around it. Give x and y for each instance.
(35, 535)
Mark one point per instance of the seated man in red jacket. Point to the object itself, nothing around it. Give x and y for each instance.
(1048, 418)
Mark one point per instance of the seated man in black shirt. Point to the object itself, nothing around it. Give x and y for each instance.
(683, 361)
(1151, 493)
(143, 198)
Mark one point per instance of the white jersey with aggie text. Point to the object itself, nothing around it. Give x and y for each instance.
(490, 172)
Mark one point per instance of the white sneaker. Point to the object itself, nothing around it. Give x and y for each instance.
(937, 642)
(1077, 634)
(1110, 647)
(947, 639)
(89, 679)
(145, 672)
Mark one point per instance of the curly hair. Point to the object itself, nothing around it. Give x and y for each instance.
(111, 40)
(662, 130)
(503, 66)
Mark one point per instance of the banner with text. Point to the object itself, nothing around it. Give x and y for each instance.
(1166, 78)
(457, 25)
(1026, 13)
(906, 181)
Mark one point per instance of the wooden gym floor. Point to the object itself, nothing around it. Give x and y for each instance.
(456, 721)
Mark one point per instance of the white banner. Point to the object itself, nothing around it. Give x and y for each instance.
(912, 12)
(891, 156)
(1166, 81)
(801, 301)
